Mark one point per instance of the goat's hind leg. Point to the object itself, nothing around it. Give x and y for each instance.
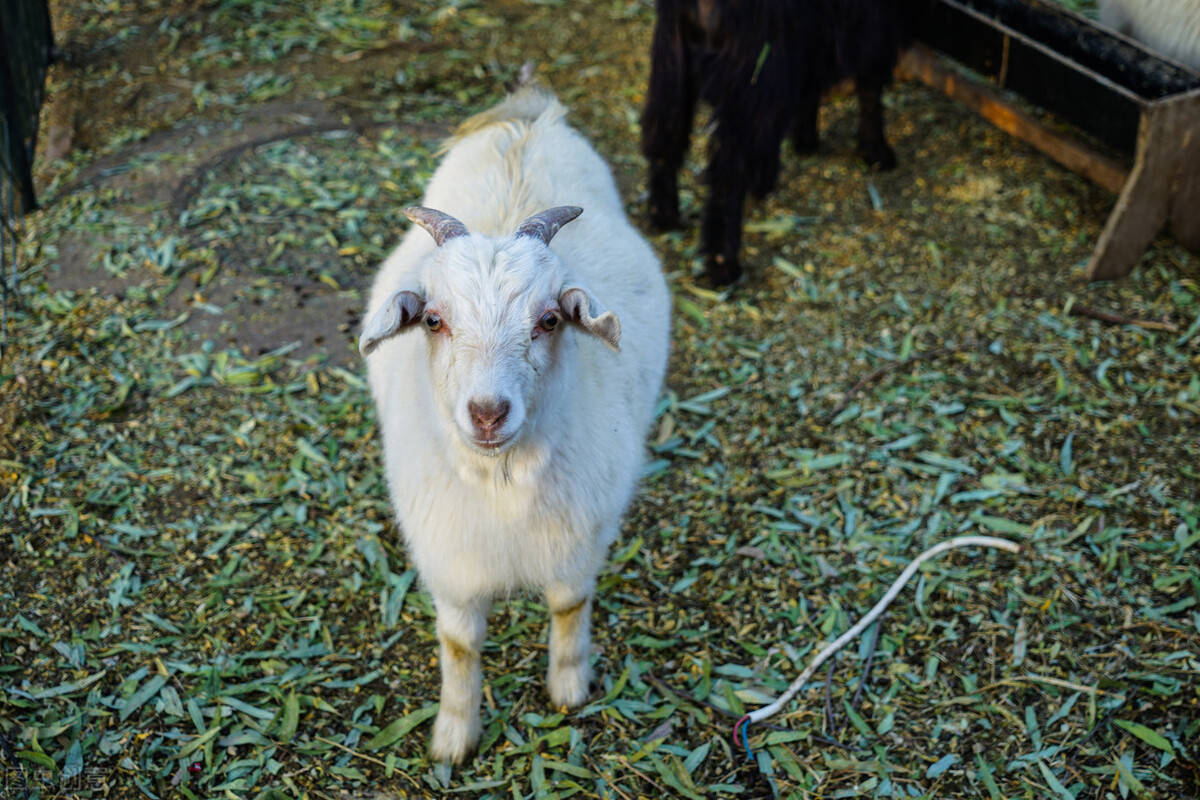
(569, 672)
(460, 630)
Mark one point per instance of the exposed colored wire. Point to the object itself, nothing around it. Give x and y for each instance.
(741, 723)
(959, 541)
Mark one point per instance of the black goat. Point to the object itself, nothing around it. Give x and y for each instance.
(762, 65)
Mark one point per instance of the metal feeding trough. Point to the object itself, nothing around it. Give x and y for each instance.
(1141, 107)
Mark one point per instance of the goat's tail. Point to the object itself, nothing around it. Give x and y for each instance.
(529, 101)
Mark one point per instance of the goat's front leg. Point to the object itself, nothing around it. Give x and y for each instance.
(460, 630)
(667, 118)
(570, 643)
(721, 226)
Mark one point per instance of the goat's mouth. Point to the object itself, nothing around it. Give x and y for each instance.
(492, 445)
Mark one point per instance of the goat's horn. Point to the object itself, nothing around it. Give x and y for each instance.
(545, 224)
(441, 226)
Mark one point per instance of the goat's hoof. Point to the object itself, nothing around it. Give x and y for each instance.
(569, 687)
(722, 271)
(453, 739)
(878, 155)
(665, 220)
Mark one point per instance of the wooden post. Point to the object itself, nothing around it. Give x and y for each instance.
(1185, 191)
(1163, 187)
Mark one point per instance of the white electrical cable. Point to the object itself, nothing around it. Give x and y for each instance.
(873, 614)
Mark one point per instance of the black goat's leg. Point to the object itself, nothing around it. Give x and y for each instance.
(805, 136)
(743, 157)
(721, 230)
(872, 143)
(664, 194)
(667, 120)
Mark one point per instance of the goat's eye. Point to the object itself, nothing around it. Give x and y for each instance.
(548, 322)
(433, 322)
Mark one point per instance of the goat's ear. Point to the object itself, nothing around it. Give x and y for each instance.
(398, 312)
(579, 307)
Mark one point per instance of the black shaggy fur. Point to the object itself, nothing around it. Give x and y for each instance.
(762, 65)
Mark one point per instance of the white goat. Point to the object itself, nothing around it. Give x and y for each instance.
(513, 441)
(1171, 27)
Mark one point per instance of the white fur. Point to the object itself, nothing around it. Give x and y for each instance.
(1170, 27)
(540, 511)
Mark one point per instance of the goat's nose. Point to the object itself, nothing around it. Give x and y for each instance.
(489, 414)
